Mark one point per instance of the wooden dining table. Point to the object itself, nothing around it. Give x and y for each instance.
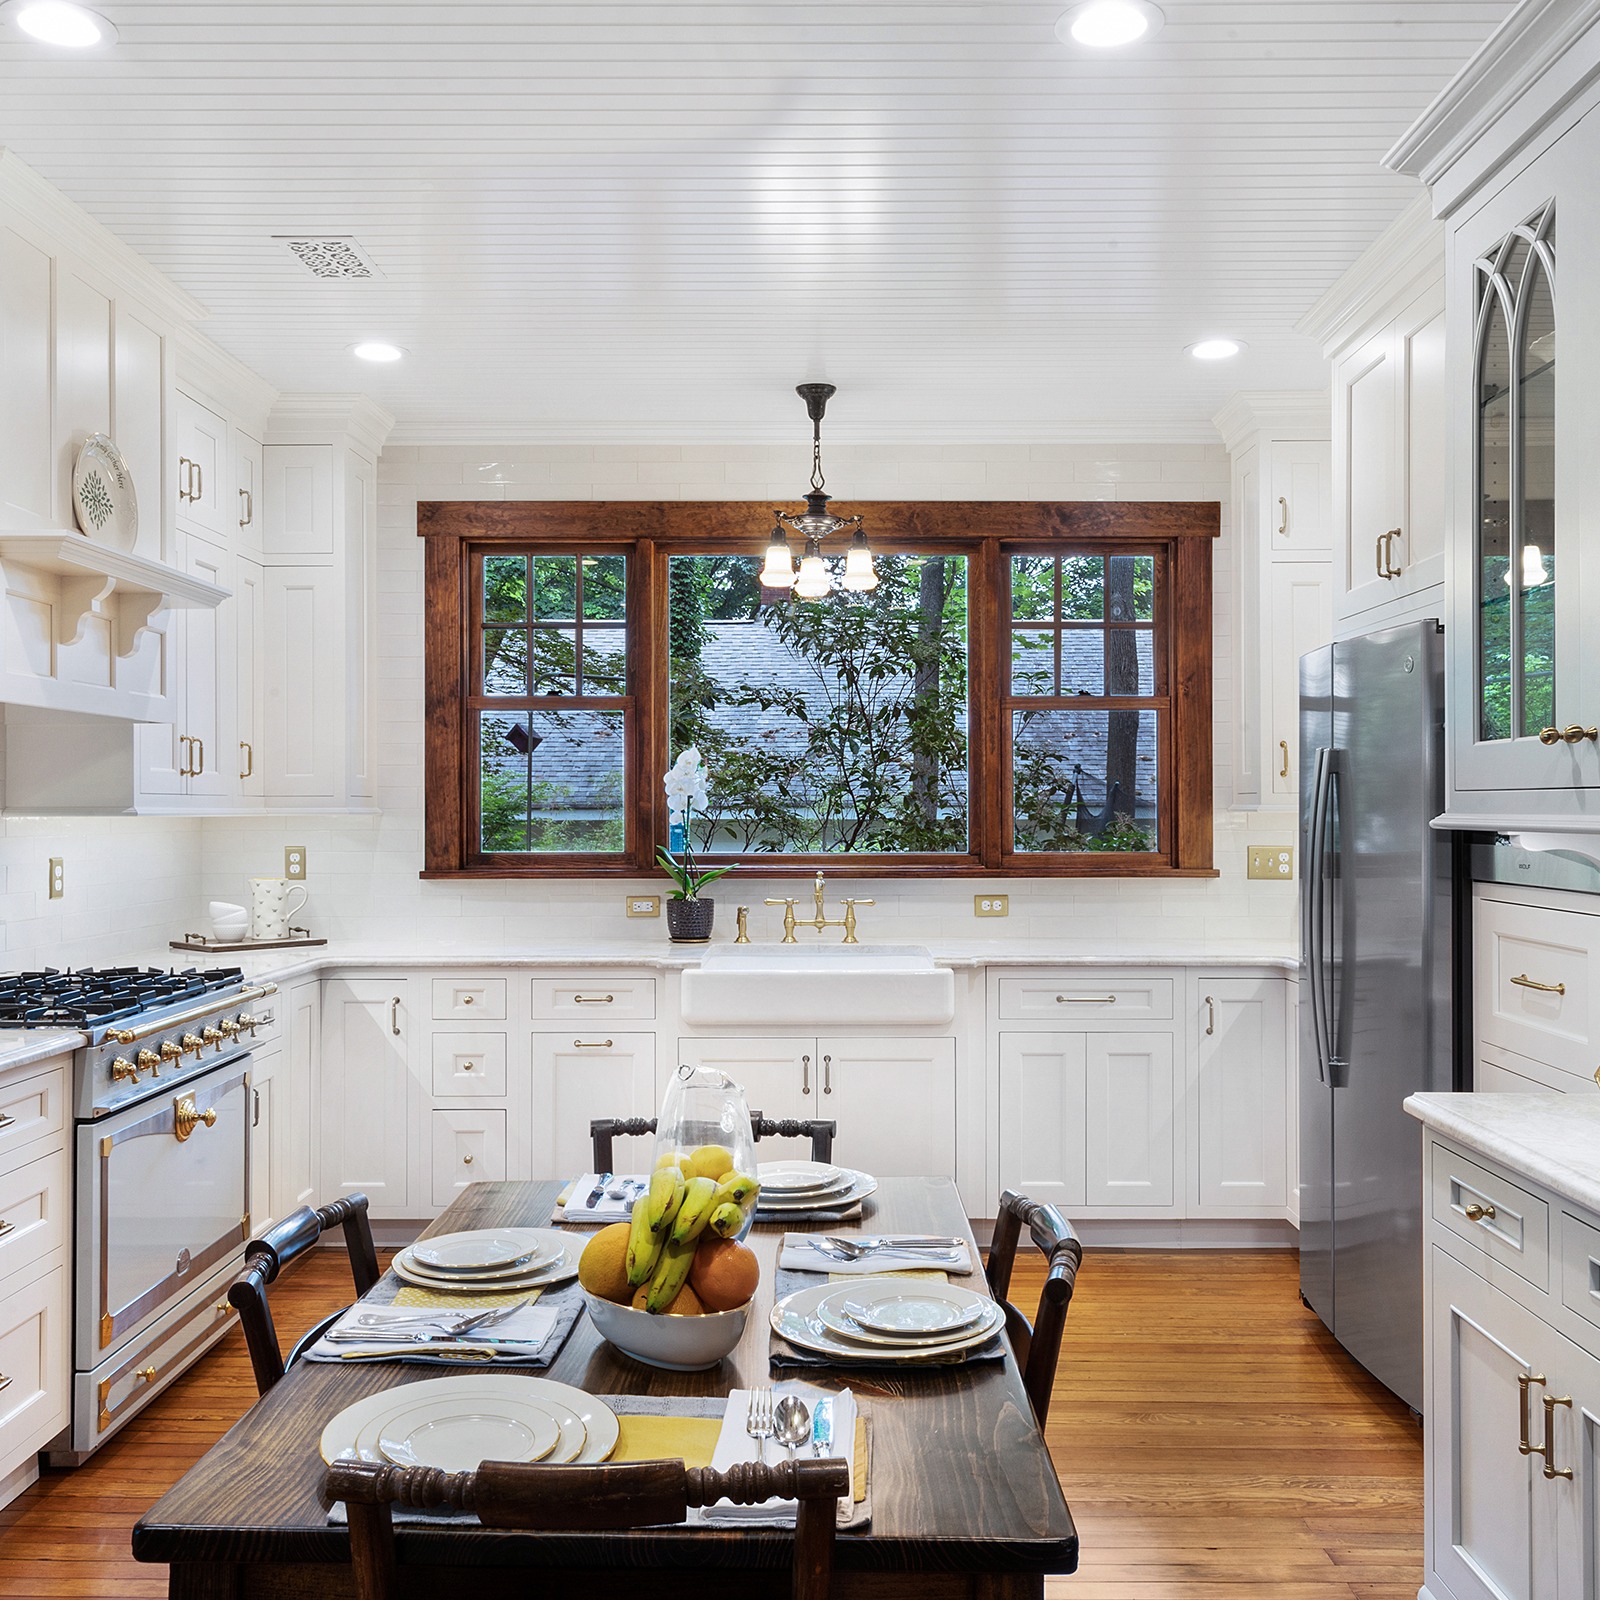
(964, 1498)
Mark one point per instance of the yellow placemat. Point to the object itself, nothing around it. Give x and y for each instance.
(693, 1439)
(454, 1300)
(910, 1272)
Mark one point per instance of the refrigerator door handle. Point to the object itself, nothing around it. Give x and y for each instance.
(1312, 909)
(1333, 1008)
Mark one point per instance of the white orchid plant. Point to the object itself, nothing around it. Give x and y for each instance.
(686, 788)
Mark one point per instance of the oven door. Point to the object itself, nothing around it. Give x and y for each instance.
(163, 1198)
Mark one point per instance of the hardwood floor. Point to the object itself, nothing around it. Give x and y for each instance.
(1212, 1440)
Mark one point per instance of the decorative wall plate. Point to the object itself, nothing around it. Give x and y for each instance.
(102, 494)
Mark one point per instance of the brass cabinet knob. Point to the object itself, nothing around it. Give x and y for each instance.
(466, 1066)
(1477, 1213)
(149, 1062)
(146, 1374)
(466, 1161)
(193, 1041)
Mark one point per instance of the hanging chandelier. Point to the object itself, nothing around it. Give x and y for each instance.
(811, 581)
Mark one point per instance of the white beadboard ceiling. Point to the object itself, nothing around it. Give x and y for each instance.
(650, 220)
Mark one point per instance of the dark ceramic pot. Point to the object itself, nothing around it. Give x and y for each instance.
(689, 921)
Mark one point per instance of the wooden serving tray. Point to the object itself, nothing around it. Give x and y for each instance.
(199, 941)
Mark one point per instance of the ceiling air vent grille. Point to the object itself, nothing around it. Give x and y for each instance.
(329, 255)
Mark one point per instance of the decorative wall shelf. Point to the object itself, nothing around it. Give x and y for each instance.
(87, 573)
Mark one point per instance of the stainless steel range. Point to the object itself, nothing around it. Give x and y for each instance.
(162, 1104)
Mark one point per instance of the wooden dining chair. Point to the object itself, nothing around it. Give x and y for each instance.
(506, 1494)
(266, 1257)
(1037, 1345)
(604, 1129)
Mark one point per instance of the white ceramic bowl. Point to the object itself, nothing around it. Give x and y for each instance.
(229, 922)
(680, 1344)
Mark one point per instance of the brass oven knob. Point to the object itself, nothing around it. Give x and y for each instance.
(149, 1062)
(170, 1051)
(212, 1036)
(252, 1023)
(193, 1041)
(122, 1069)
(228, 1027)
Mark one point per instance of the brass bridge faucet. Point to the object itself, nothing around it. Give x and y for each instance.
(821, 920)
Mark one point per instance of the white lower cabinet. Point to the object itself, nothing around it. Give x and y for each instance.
(1241, 1095)
(467, 1147)
(264, 1191)
(1043, 1127)
(35, 1372)
(578, 1077)
(780, 1076)
(365, 1109)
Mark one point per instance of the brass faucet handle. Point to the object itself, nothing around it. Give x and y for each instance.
(788, 902)
(861, 902)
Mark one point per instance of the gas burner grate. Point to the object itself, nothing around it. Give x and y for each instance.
(92, 996)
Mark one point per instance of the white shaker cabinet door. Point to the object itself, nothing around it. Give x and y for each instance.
(894, 1101)
(1300, 618)
(201, 470)
(208, 676)
(1042, 1097)
(468, 1147)
(1130, 1101)
(368, 1100)
(294, 1136)
(1575, 1447)
(1492, 1527)
(780, 1077)
(1242, 1090)
(264, 1158)
(249, 618)
(1365, 469)
(578, 1077)
(302, 706)
(1301, 506)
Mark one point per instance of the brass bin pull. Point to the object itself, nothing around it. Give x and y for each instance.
(1283, 517)
(1211, 1016)
(590, 1044)
(1548, 1449)
(186, 1117)
(1086, 999)
(1525, 1445)
(594, 999)
(1523, 981)
(1283, 771)
(1477, 1213)
(805, 1074)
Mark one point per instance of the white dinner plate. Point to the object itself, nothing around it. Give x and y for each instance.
(457, 1438)
(486, 1250)
(799, 1177)
(573, 1433)
(861, 1185)
(547, 1277)
(795, 1318)
(598, 1421)
(103, 501)
(901, 1309)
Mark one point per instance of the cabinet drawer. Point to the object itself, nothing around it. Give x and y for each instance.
(34, 1340)
(468, 1147)
(35, 1206)
(1513, 1227)
(1076, 996)
(593, 1000)
(469, 997)
(1580, 1268)
(32, 1109)
(1535, 980)
(469, 1064)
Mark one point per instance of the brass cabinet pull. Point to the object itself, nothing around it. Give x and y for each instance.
(185, 478)
(249, 760)
(255, 1115)
(394, 1016)
(1477, 1213)
(6, 1227)
(5, 1382)
(593, 999)
(1390, 570)
(249, 508)
(200, 760)
(1548, 1449)
(590, 1044)
(1525, 1445)
(827, 1074)
(186, 763)
(186, 1117)
(1086, 999)
(1283, 771)
(805, 1074)
(1573, 733)
(199, 482)
(146, 1374)
(1283, 517)
(1523, 981)
(1211, 1015)
(6, 1120)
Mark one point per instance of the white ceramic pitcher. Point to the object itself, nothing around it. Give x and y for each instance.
(271, 906)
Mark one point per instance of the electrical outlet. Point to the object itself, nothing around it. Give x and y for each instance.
(644, 905)
(1271, 861)
(294, 861)
(58, 878)
(991, 905)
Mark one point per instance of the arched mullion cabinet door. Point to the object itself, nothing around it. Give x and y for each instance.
(1534, 349)
(1492, 500)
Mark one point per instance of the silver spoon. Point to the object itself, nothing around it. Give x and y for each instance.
(791, 1422)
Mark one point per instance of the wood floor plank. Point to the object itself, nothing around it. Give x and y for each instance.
(1213, 1442)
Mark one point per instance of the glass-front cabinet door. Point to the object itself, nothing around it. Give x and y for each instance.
(1523, 696)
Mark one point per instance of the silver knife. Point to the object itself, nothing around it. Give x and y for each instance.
(596, 1192)
(822, 1428)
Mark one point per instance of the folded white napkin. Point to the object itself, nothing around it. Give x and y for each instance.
(605, 1209)
(735, 1445)
(800, 1254)
(523, 1334)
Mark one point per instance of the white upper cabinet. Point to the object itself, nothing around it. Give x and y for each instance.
(202, 467)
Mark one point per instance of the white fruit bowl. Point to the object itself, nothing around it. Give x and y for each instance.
(680, 1344)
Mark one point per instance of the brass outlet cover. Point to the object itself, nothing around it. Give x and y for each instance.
(1272, 861)
(991, 905)
(58, 878)
(644, 905)
(294, 861)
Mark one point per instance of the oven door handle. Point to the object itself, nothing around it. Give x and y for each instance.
(213, 1004)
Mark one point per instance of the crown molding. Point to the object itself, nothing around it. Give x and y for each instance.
(1402, 261)
(1490, 111)
(1282, 414)
(239, 390)
(31, 198)
(357, 420)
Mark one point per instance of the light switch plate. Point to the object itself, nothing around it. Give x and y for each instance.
(1272, 861)
(294, 861)
(644, 905)
(991, 905)
(58, 878)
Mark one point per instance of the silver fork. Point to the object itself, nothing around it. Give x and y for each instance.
(758, 1421)
(854, 1249)
(446, 1329)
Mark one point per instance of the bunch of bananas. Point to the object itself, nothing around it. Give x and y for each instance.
(668, 1221)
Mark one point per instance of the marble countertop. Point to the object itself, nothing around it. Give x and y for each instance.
(21, 1047)
(1553, 1139)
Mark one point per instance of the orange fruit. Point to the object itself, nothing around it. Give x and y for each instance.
(724, 1273)
(603, 1266)
(687, 1303)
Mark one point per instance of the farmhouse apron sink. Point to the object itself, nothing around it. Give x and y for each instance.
(799, 985)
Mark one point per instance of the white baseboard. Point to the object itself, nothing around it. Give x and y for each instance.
(1186, 1233)
(22, 1476)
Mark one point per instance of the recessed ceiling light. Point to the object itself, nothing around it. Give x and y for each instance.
(1214, 349)
(1105, 24)
(56, 22)
(376, 350)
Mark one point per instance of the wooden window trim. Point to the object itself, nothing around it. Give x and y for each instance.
(988, 532)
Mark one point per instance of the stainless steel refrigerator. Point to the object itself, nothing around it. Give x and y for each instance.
(1375, 975)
